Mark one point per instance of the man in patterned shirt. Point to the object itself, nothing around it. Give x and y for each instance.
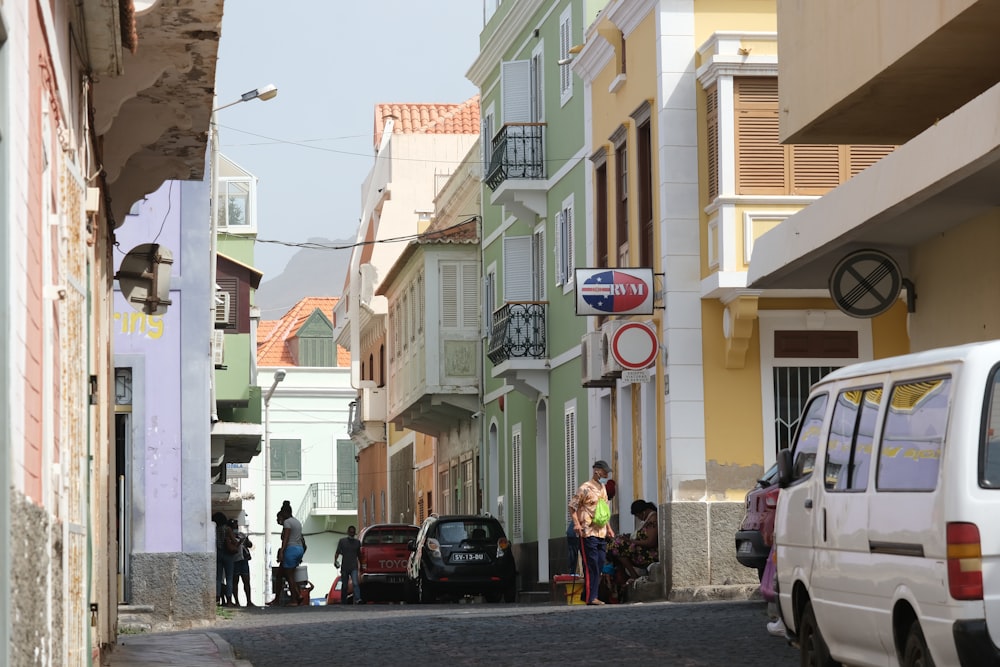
(592, 538)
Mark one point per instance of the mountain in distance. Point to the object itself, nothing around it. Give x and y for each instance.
(310, 272)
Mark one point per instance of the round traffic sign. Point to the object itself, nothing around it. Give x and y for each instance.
(634, 345)
(866, 283)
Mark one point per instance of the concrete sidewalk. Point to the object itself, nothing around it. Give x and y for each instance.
(182, 649)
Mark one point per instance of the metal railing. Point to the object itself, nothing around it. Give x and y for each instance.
(329, 496)
(517, 151)
(518, 331)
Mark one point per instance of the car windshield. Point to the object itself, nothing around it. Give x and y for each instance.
(453, 532)
(395, 536)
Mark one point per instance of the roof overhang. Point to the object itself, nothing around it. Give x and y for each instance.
(942, 178)
(152, 108)
(235, 442)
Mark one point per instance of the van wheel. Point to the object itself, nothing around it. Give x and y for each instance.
(915, 654)
(425, 594)
(814, 652)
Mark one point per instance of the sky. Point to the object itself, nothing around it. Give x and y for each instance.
(311, 147)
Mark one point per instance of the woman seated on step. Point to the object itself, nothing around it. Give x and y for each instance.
(638, 549)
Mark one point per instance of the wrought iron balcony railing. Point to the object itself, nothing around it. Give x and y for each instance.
(326, 497)
(517, 152)
(518, 330)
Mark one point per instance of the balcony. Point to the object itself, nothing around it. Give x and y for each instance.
(518, 346)
(366, 417)
(334, 503)
(516, 171)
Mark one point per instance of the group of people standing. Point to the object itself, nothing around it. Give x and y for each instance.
(600, 547)
(232, 550)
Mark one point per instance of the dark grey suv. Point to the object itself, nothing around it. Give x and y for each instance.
(460, 555)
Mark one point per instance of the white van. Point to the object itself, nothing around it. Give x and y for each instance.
(888, 521)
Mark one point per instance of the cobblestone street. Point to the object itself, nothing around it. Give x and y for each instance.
(713, 634)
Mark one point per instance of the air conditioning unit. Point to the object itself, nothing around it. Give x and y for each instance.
(591, 362)
(609, 367)
(218, 341)
(222, 307)
(373, 404)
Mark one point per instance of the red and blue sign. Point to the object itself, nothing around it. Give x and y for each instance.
(614, 291)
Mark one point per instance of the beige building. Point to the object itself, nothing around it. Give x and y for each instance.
(857, 73)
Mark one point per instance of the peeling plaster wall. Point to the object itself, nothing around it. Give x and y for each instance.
(35, 624)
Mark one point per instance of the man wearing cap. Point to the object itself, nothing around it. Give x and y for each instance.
(592, 538)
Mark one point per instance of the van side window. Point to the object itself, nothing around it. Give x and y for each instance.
(913, 434)
(989, 469)
(849, 448)
(807, 439)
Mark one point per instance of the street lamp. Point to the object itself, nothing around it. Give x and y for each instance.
(263, 94)
(279, 375)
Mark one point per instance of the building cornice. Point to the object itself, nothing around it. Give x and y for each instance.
(491, 54)
(594, 57)
(628, 14)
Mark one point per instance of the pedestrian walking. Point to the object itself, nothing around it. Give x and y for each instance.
(348, 549)
(591, 515)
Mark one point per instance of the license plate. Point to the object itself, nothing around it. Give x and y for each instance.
(745, 547)
(394, 580)
(466, 558)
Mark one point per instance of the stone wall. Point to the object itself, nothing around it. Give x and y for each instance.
(35, 625)
(180, 588)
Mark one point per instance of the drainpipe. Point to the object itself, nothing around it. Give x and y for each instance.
(213, 258)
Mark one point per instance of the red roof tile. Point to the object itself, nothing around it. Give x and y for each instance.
(428, 118)
(273, 335)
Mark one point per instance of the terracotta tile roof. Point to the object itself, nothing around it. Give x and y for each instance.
(273, 335)
(429, 118)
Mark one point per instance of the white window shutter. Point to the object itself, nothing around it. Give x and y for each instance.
(218, 347)
(569, 239)
(538, 274)
(564, 71)
(449, 295)
(470, 294)
(560, 269)
(569, 426)
(517, 277)
(516, 514)
(515, 77)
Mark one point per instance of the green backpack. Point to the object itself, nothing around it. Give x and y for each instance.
(602, 514)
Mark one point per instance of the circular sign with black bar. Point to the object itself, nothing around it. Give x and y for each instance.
(866, 283)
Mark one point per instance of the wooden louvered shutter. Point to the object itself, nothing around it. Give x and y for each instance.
(712, 122)
(760, 158)
(470, 295)
(449, 295)
(815, 168)
(860, 158)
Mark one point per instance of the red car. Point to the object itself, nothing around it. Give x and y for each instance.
(333, 597)
(756, 534)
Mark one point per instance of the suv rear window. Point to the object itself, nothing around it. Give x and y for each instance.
(399, 536)
(453, 532)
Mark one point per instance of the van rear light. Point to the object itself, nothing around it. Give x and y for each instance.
(965, 562)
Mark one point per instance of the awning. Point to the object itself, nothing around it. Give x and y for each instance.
(942, 178)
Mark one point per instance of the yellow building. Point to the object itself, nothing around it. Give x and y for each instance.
(687, 173)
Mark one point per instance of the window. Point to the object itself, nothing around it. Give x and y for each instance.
(226, 302)
(791, 389)
(516, 511)
(915, 424)
(516, 83)
(565, 42)
(486, 139)
(459, 295)
(234, 202)
(989, 468)
(518, 283)
(286, 459)
(807, 442)
(644, 146)
(565, 260)
(621, 196)
(764, 165)
(601, 207)
(537, 83)
(849, 447)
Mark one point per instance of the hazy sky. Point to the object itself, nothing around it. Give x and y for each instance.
(332, 61)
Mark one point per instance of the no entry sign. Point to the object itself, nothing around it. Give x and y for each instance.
(634, 345)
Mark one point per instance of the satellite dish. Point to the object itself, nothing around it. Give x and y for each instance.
(144, 278)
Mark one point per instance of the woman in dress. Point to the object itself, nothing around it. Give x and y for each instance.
(638, 549)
